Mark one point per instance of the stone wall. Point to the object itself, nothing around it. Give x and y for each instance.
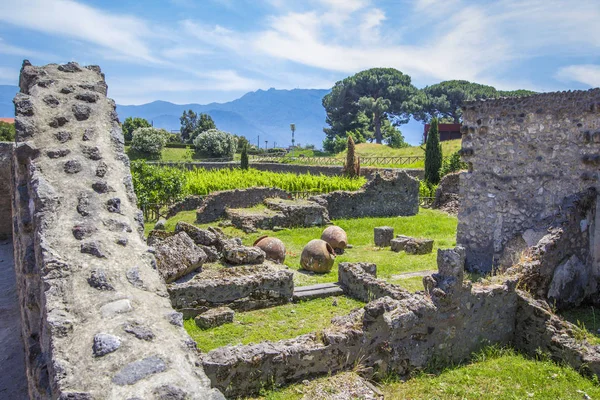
(447, 194)
(188, 204)
(329, 170)
(391, 195)
(359, 280)
(445, 325)
(526, 156)
(6, 150)
(97, 321)
(240, 288)
(214, 205)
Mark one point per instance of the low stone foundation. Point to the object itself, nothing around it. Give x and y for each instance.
(214, 206)
(441, 326)
(359, 280)
(390, 195)
(239, 288)
(279, 213)
(445, 325)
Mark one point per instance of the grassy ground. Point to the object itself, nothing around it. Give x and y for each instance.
(276, 323)
(587, 318)
(494, 374)
(431, 224)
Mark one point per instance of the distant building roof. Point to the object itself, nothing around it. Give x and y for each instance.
(447, 132)
(9, 120)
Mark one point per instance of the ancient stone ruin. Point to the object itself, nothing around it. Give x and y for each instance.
(97, 317)
(388, 195)
(533, 172)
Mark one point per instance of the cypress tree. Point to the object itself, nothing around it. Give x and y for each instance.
(244, 164)
(433, 154)
(352, 166)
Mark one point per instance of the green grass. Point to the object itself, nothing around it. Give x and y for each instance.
(431, 224)
(379, 150)
(494, 374)
(276, 323)
(362, 150)
(201, 181)
(587, 319)
(497, 374)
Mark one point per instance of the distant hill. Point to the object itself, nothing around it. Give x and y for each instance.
(264, 113)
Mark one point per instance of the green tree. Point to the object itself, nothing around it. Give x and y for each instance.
(131, 124)
(433, 154)
(189, 122)
(395, 139)
(192, 125)
(376, 109)
(444, 100)
(386, 93)
(241, 143)
(352, 165)
(7, 132)
(244, 163)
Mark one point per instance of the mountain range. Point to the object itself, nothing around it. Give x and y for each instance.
(264, 113)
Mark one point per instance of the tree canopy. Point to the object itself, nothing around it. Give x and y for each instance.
(7, 132)
(365, 102)
(193, 125)
(131, 124)
(444, 99)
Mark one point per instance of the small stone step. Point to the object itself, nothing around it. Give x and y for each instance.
(314, 287)
(319, 293)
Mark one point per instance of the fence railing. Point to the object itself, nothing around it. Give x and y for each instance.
(405, 160)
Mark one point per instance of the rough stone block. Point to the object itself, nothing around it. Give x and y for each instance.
(160, 224)
(215, 317)
(239, 288)
(199, 236)
(239, 254)
(418, 246)
(383, 235)
(568, 286)
(177, 256)
(399, 243)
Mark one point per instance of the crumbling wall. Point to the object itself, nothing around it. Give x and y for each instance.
(6, 150)
(390, 195)
(447, 194)
(525, 156)
(445, 325)
(214, 205)
(97, 321)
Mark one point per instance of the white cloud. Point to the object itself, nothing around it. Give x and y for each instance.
(121, 34)
(131, 90)
(216, 35)
(369, 27)
(587, 74)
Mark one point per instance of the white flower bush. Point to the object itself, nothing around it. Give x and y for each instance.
(149, 140)
(216, 143)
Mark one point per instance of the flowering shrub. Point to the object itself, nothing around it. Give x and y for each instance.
(149, 140)
(216, 143)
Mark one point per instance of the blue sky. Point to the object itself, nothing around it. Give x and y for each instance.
(216, 50)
